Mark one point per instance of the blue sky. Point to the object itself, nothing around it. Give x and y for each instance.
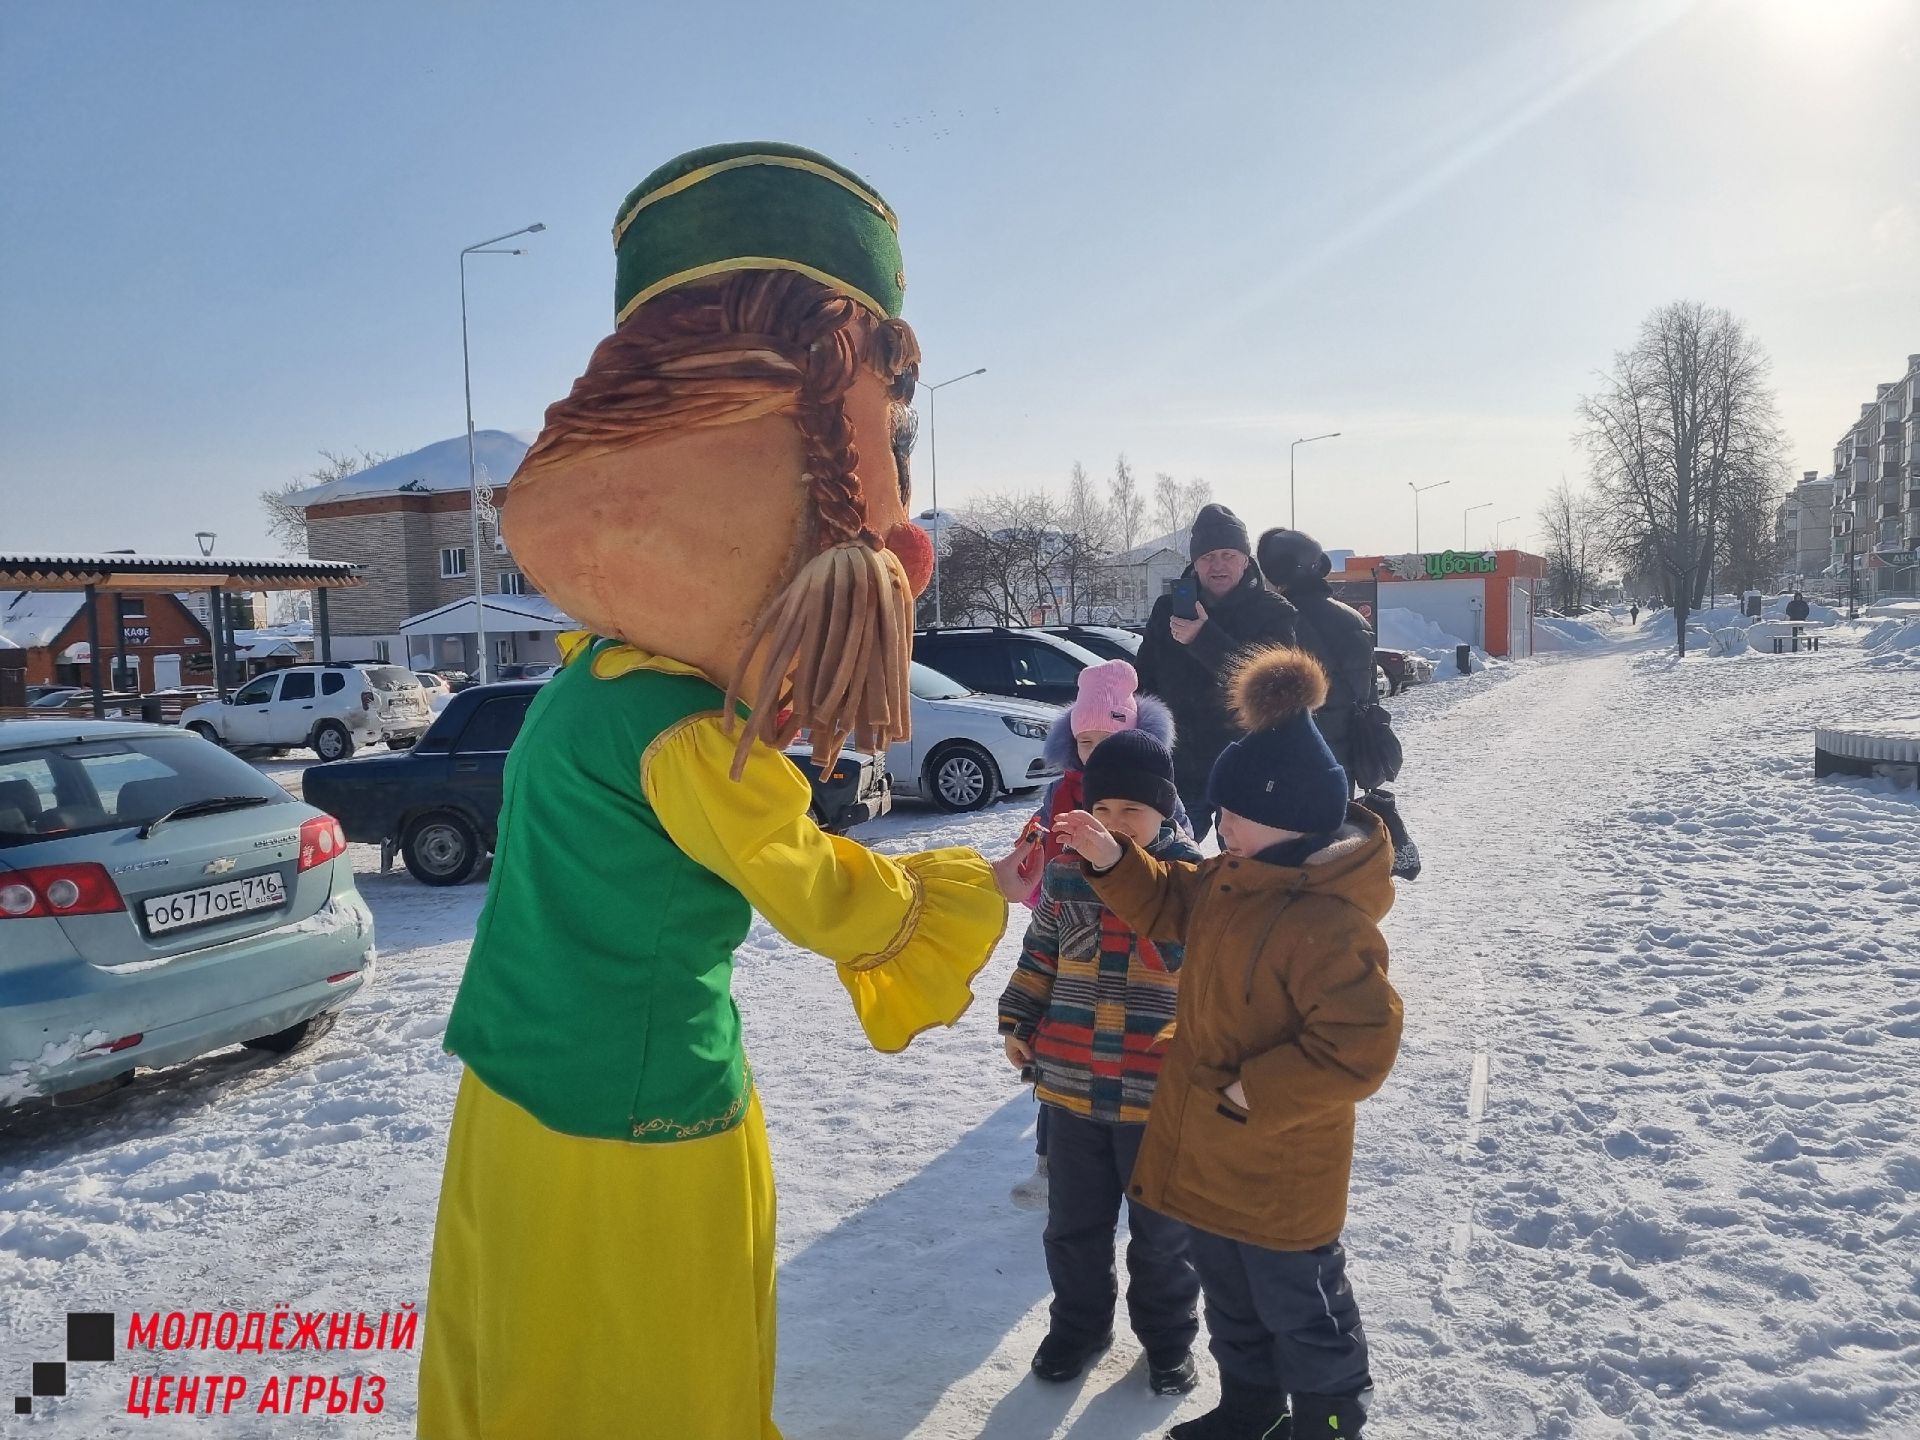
(1186, 232)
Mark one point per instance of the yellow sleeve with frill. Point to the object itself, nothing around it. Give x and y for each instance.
(907, 934)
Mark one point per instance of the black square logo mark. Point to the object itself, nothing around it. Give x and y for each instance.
(89, 1336)
(50, 1378)
(23, 1404)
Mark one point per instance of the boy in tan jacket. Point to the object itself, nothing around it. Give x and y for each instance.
(1285, 1021)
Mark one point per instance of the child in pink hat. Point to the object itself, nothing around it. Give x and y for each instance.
(1107, 704)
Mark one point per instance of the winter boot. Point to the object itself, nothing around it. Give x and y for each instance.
(1245, 1412)
(1322, 1417)
(1172, 1374)
(1031, 1193)
(1060, 1358)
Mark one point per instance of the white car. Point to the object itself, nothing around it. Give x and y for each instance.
(329, 709)
(967, 748)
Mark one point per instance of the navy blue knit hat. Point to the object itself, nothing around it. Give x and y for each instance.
(1280, 773)
(1132, 765)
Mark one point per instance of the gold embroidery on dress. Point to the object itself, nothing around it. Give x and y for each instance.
(904, 935)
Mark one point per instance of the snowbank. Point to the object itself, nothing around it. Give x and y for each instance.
(1560, 633)
(1405, 630)
(1894, 643)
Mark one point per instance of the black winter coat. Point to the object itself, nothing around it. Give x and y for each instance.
(1191, 678)
(1339, 637)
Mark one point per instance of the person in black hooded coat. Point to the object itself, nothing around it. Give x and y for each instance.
(1186, 662)
(1336, 635)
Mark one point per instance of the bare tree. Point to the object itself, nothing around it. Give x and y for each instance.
(1089, 541)
(286, 521)
(1128, 505)
(1007, 562)
(1176, 503)
(1681, 425)
(1577, 543)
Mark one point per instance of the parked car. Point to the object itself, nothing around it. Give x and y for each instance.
(160, 898)
(437, 805)
(329, 709)
(54, 697)
(1109, 642)
(1401, 668)
(995, 660)
(969, 749)
(533, 670)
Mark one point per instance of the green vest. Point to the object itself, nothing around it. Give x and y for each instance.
(597, 995)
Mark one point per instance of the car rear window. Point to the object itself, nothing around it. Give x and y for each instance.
(392, 677)
(85, 786)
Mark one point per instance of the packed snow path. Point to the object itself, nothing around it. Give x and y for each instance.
(1646, 1167)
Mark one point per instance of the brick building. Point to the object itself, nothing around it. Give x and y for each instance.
(408, 524)
(161, 643)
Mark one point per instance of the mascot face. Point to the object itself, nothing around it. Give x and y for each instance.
(679, 544)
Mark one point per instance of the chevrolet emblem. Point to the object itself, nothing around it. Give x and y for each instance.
(220, 866)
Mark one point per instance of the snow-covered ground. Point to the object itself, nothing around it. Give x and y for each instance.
(1647, 1166)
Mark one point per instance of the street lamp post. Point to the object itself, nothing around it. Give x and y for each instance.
(1308, 440)
(1498, 523)
(1466, 522)
(1418, 491)
(933, 466)
(473, 469)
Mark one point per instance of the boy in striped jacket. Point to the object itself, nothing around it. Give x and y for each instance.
(1085, 1008)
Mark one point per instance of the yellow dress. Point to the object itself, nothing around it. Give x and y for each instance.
(592, 1287)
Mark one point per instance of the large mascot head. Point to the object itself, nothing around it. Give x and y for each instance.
(727, 484)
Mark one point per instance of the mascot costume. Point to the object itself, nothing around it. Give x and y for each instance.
(722, 500)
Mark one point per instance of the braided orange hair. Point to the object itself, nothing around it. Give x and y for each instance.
(834, 646)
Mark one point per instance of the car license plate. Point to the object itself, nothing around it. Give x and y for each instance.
(214, 902)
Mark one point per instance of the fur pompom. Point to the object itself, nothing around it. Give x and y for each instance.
(1273, 685)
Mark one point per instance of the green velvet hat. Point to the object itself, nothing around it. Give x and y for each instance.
(759, 205)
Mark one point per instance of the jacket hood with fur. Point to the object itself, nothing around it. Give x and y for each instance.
(1062, 750)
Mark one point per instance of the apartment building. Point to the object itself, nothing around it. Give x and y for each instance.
(1876, 500)
(1803, 528)
(409, 524)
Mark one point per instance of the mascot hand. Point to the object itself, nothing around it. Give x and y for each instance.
(1087, 838)
(1015, 872)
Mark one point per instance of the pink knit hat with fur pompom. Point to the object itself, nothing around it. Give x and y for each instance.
(1106, 700)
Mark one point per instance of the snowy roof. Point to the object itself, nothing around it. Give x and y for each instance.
(440, 466)
(1176, 541)
(32, 618)
(507, 612)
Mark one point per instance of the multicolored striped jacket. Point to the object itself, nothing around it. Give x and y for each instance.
(1090, 996)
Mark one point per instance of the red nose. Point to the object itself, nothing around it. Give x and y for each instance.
(913, 547)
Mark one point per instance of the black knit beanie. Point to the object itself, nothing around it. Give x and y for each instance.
(1218, 528)
(1132, 765)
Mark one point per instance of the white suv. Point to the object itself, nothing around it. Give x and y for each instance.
(328, 708)
(968, 749)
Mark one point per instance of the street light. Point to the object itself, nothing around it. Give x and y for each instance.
(204, 539)
(1418, 491)
(1467, 519)
(473, 469)
(933, 465)
(1330, 435)
(1498, 523)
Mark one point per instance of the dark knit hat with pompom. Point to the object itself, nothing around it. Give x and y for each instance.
(1280, 773)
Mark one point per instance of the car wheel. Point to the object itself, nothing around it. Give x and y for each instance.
(295, 1037)
(962, 778)
(205, 731)
(440, 849)
(331, 741)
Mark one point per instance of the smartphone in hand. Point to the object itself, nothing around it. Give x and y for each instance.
(1186, 598)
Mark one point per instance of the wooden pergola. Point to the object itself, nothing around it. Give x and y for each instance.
(115, 574)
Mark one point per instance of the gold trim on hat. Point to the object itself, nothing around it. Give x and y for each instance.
(749, 262)
(790, 162)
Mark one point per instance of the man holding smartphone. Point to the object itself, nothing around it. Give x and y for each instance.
(1216, 610)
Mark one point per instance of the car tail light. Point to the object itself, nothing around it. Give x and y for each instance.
(114, 1047)
(58, 890)
(321, 840)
